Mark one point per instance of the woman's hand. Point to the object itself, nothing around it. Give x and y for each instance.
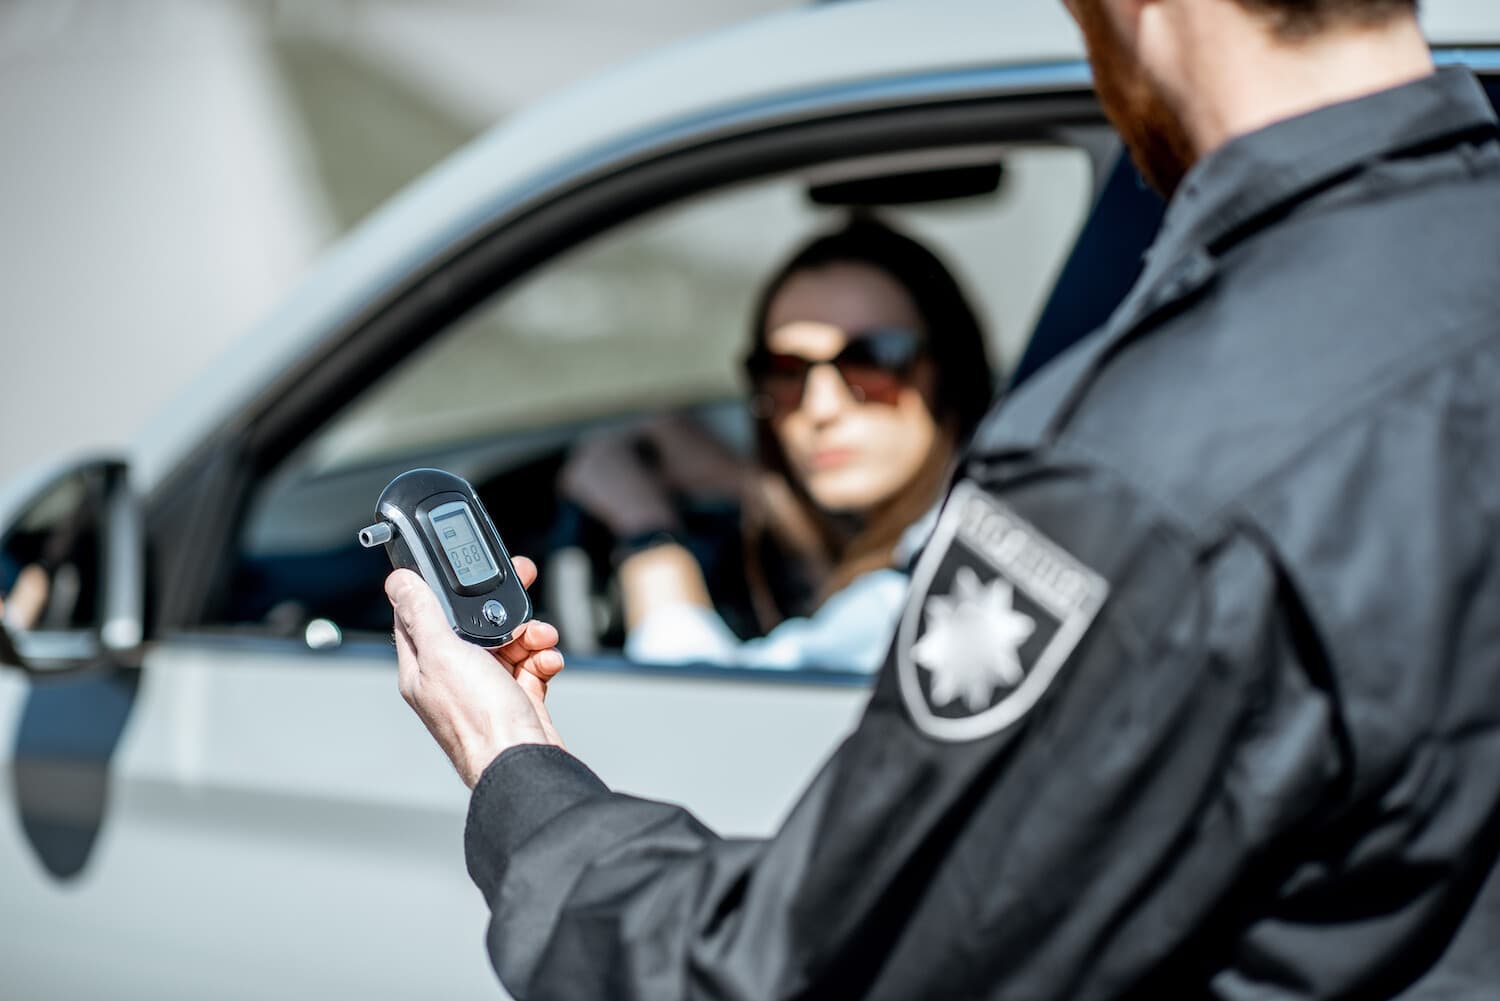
(608, 477)
(693, 461)
(475, 703)
(627, 479)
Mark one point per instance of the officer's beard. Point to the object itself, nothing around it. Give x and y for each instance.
(1153, 132)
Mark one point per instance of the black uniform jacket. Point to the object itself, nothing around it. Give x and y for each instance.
(1198, 690)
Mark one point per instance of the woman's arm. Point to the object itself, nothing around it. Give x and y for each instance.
(849, 632)
(660, 577)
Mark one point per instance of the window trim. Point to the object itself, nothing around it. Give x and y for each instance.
(362, 650)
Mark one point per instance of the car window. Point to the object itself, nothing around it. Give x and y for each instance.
(647, 318)
(657, 312)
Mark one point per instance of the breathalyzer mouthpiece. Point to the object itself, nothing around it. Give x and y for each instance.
(377, 534)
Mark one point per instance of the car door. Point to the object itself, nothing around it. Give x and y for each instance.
(266, 815)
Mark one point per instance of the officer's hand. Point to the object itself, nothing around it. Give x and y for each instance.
(475, 703)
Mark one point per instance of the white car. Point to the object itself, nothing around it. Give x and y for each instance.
(213, 789)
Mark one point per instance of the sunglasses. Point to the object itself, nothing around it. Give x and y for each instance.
(875, 365)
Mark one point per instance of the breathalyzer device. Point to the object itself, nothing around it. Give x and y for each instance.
(432, 522)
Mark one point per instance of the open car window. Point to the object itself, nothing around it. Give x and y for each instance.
(648, 318)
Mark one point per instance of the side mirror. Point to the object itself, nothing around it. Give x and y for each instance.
(72, 573)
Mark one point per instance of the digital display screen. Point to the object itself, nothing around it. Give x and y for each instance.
(459, 537)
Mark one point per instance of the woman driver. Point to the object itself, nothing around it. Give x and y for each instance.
(868, 370)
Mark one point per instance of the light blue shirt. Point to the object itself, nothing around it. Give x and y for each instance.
(851, 631)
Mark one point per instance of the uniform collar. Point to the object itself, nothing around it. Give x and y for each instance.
(1241, 186)
(1250, 176)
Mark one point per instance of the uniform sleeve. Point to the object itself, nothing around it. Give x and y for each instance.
(1040, 802)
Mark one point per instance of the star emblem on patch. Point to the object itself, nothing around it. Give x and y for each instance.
(995, 609)
(973, 641)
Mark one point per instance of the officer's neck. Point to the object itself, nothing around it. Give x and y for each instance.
(1235, 78)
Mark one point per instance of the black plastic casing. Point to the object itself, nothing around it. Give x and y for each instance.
(406, 504)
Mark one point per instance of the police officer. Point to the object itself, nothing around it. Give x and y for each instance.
(1198, 691)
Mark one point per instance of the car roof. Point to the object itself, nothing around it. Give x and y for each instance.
(683, 87)
(1461, 22)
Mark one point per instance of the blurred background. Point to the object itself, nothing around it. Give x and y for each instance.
(171, 167)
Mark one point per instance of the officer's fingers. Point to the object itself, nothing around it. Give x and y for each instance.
(537, 635)
(417, 609)
(534, 649)
(407, 671)
(530, 638)
(534, 687)
(525, 570)
(535, 690)
(543, 665)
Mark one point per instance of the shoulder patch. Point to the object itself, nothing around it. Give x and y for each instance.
(994, 611)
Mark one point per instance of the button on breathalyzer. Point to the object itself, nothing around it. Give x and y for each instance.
(432, 522)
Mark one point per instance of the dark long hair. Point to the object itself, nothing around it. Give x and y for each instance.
(830, 546)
